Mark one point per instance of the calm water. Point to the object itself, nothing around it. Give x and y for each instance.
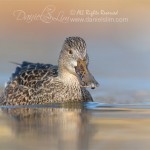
(119, 119)
(78, 127)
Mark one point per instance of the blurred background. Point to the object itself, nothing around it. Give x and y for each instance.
(119, 50)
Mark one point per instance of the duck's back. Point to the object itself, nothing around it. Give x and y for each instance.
(27, 78)
(28, 71)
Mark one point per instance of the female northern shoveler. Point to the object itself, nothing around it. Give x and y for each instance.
(35, 83)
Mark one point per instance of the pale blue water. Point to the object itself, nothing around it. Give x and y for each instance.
(113, 122)
(113, 90)
(120, 113)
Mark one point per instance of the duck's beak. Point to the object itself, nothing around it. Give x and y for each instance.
(85, 77)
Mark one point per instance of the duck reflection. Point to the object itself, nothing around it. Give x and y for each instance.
(58, 128)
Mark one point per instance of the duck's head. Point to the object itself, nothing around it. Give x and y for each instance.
(74, 59)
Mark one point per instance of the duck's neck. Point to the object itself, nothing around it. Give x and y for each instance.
(68, 78)
(65, 76)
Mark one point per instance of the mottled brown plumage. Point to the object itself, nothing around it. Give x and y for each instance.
(35, 83)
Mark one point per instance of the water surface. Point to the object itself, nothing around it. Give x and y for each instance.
(77, 127)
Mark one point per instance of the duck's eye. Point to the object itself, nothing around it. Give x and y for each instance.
(70, 52)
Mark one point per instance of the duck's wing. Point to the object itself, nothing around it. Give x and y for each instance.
(27, 80)
(29, 74)
(27, 71)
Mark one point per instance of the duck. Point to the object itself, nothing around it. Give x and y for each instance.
(38, 83)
